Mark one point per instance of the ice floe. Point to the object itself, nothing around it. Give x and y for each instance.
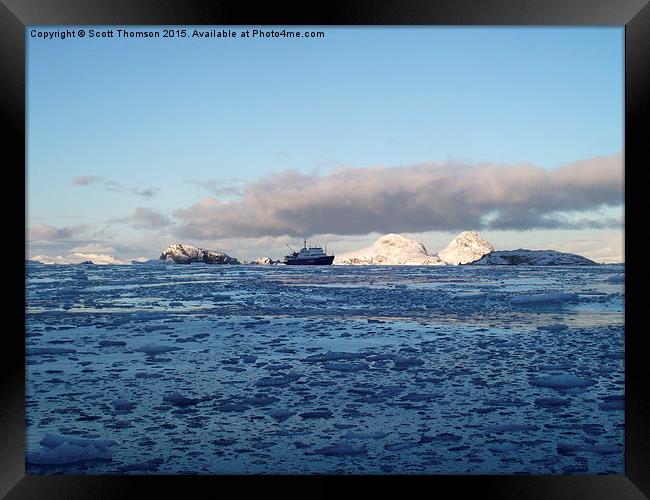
(69, 450)
(395, 370)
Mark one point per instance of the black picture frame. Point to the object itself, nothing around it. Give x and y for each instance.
(15, 15)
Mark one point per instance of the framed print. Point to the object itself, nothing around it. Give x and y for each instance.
(370, 243)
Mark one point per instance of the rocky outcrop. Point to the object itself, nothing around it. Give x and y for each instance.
(180, 253)
(532, 258)
(265, 261)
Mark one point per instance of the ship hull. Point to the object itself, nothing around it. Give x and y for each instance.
(317, 261)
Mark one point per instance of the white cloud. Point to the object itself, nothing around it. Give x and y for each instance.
(144, 218)
(110, 185)
(45, 232)
(94, 248)
(425, 197)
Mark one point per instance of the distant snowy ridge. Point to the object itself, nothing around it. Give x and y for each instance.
(181, 253)
(78, 258)
(148, 262)
(390, 250)
(467, 247)
(532, 258)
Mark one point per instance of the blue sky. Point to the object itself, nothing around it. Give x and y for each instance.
(157, 125)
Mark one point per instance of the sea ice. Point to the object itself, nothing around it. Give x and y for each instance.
(425, 381)
(540, 298)
(346, 367)
(317, 414)
(512, 428)
(404, 363)
(123, 404)
(67, 453)
(551, 402)
(468, 296)
(341, 450)
(112, 343)
(366, 435)
(54, 440)
(277, 381)
(332, 356)
(314, 300)
(505, 447)
(553, 327)
(571, 449)
(405, 445)
(69, 450)
(41, 351)
(177, 399)
(281, 414)
(563, 381)
(153, 349)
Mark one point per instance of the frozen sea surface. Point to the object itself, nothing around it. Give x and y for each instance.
(255, 369)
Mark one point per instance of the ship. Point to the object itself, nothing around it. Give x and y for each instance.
(312, 256)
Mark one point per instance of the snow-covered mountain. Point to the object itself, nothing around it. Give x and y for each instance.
(467, 247)
(532, 258)
(180, 253)
(390, 250)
